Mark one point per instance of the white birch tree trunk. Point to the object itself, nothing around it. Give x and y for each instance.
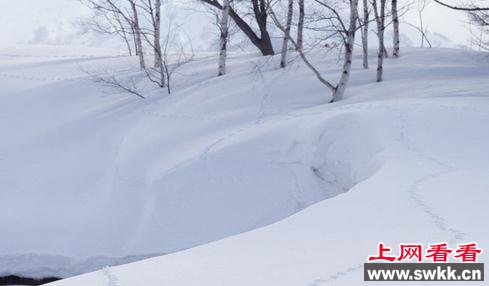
(157, 44)
(300, 26)
(137, 34)
(223, 41)
(133, 33)
(349, 44)
(285, 45)
(380, 19)
(395, 25)
(365, 33)
(157, 35)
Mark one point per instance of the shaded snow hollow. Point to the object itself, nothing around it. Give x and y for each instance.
(101, 175)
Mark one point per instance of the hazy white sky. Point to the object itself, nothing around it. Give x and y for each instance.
(450, 23)
(54, 22)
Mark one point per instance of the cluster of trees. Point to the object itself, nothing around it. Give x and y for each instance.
(342, 23)
(138, 24)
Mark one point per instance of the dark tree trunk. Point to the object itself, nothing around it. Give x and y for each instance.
(300, 26)
(262, 42)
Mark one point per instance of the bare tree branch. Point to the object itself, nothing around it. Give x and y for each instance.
(462, 8)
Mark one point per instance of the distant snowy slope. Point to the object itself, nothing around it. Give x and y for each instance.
(99, 177)
(61, 22)
(40, 22)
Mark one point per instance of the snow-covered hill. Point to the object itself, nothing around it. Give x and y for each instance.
(90, 178)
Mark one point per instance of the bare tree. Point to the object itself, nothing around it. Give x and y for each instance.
(144, 20)
(379, 11)
(158, 62)
(347, 34)
(481, 20)
(137, 32)
(468, 8)
(180, 58)
(423, 33)
(421, 7)
(395, 25)
(300, 26)
(174, 53)
(119, 11)
(364, 30)
(152, 35)
(150, 32)
(285, 45)
(260, 12)
(110, 23)
(117, 85)
(349, 44)
(123, 32)
(478, 16)
(223, 41)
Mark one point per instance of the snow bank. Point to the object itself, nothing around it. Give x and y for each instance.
(97, 175)
(413, 196)
(106, 178)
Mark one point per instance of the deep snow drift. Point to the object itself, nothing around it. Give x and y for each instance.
(88, 176)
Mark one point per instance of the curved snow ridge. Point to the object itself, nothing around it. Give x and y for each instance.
(94, 174)
(394, 156)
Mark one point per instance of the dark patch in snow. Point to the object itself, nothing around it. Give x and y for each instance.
(19, 280)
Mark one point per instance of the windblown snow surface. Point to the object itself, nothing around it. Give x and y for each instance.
(90, 178)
